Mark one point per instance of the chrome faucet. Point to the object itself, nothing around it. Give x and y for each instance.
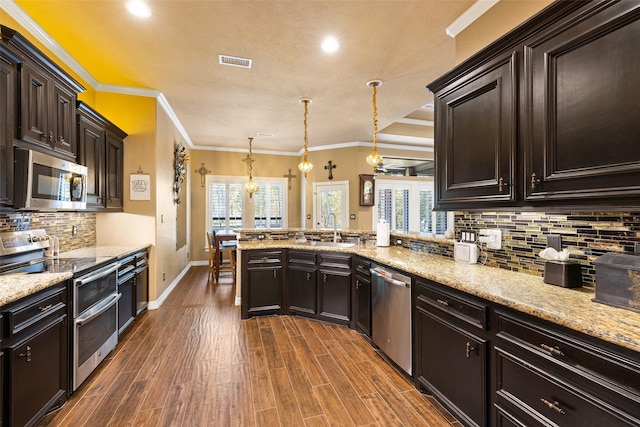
(335, 227)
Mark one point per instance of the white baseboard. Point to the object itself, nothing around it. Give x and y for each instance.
(154, 305)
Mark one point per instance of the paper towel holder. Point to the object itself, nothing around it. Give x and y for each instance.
(367, 190)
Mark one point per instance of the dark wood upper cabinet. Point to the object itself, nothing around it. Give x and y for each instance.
(8, 111)
(546, 116)
(476, 135)
(47, 113)
(583, 80)
(101, 150)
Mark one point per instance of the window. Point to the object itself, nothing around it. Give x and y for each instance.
(407, 204)
(229, 206)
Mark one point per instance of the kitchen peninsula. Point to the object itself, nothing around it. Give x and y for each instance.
(493, 325)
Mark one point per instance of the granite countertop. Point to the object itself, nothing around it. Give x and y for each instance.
(572, 308)
(16, 286)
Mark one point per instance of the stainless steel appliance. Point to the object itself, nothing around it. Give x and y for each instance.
(95, 319)
(46, 182)
(391, 315)
(94, 330)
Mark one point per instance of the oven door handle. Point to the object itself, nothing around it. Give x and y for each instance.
(98, 310)
(98, 275)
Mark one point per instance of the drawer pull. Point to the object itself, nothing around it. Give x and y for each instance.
(442, 302)
(45, 308)
(27, 354)
(469, 349)
(552, 405)
(552, 350)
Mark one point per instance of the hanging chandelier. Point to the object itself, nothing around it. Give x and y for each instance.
(374, 159)
(250, 186)
(305, 166)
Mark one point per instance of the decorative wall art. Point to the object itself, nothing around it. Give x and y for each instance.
(181, 160)
(139, 186)
(367, 190)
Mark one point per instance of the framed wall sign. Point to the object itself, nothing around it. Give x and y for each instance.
(139, 186)
(367, 194)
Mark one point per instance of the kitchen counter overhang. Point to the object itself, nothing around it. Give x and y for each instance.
(571, 308)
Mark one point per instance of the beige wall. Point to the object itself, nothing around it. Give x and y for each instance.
(497, 21)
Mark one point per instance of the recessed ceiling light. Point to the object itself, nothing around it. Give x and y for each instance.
(138, 8)
(330, 44)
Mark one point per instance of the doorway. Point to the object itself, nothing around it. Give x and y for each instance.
(331, 204)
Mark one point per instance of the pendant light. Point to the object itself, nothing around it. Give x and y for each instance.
(305, 166)
(374, 159)
(250, 186)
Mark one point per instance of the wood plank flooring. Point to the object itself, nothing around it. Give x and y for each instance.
(193, 362)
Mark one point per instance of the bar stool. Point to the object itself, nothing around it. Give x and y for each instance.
(212, 255)
(224, 254)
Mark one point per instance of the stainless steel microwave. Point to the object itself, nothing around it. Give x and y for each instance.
(46, 182)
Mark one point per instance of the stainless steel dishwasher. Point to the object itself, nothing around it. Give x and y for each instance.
(391, 315)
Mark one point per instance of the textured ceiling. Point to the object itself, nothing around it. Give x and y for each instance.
(175, 51)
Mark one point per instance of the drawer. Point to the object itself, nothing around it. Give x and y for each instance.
(302, 257)
(264, 257)
(363, 267)
(335, 260)
(547, 399)
(572, 353)
(127, 265)
(456, 304)
(34, 309)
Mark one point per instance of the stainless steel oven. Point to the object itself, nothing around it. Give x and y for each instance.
(95, 320)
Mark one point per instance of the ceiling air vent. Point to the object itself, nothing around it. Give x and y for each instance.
(234, 61)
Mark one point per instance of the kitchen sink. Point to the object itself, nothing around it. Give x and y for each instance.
(327, 244)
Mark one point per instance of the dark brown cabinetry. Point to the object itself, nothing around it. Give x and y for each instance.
(34, 341)
(548, 376)
(363, 296)
(451, 349)
(8, 129)
(47, 111)
(334, 287)
(518, 123)
(262, 282)
(133, 284)
(476, 135)
(302, 277)
(101, 150)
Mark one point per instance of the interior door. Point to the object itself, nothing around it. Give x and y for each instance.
(331, 198)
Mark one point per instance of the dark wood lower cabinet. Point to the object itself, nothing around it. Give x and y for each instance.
(452, 365)
(363, 296)
(262, 283)
(302, 276)
(335, 284)
(35, 345)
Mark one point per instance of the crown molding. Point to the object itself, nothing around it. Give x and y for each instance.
(469, 16)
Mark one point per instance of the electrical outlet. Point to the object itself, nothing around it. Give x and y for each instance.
(399, 242)
(492, 237)
(554, 241)
(261, 236)
(636, 247)
(74, 230)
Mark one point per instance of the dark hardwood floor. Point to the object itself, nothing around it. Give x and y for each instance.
(193, 362)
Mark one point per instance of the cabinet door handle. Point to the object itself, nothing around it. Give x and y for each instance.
(324, 278)
(27, 354)
(552, 350)
(552, 405)
(502, 184)
(469, 348)
(535, 181)
(357, 284)
(308, 276)
(443, 302)
(275, 274)
(45, 308)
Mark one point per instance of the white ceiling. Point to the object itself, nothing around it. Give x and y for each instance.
(175, 52)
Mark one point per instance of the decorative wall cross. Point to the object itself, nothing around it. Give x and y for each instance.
(289, 176)
(202, 171)
(330, 167)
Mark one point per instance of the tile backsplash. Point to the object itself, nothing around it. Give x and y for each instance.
(59, 224)
(587, 235)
